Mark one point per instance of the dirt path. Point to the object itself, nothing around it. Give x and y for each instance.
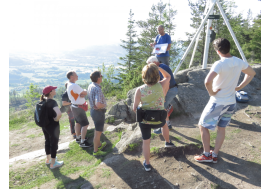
(239, 163)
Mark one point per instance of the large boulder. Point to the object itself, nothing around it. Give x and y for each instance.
(192, 95)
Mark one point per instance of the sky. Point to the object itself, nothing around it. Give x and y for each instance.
(50, 25)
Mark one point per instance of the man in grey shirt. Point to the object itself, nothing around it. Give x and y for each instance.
(97, 109)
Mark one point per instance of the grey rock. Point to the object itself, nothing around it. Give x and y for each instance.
(109, 118)
(128, 137)
(118, 121)
(131, 127)
(117, 128)
(197, 77)
(181, 76)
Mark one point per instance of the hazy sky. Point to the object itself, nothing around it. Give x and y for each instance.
(50, 25)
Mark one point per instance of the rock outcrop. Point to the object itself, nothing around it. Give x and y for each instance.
(192, 95)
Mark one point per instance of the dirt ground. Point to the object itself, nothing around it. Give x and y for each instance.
(239, 163)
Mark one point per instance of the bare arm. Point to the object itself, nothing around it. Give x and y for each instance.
(249, 74)
(58, 113)
(65, 103)
(208, 83)
(83, 94)
(137, 99)
(165, 82)
(169, 47)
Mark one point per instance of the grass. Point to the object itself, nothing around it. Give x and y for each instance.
(106, 173)
(31, 136)
(153, 135)
(76, 160)
(154, 150)
(177, 137)
(236, 131)
(14, 145)
(98, 186)
(131, 147)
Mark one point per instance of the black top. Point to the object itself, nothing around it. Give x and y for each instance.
(65, 97)
(51, 113)
(167, 69)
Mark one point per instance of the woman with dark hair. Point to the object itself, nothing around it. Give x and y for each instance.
(52, 130)
(151, 96)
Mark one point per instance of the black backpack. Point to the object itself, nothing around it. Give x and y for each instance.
(41, 114)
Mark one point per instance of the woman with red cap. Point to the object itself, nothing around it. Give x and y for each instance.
(52, 130)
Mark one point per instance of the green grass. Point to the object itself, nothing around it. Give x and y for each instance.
(177, 137)
(154, 149)
(106, 173)
(31, 136)
(236, 131)
(98, 186)
(132, 146)
(153, 135)
(13, 145)
(76, 160)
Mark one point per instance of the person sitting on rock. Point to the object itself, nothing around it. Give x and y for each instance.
(172, 92)
(221, 84)
(151, 96)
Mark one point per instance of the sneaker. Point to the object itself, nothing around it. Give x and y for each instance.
(50, 161)
(146, 167)
(169, 144)
(79, 140)
(57, 164)
(98, 153)
(102, 146)
(157, 131)
(214, 158)
(85, 144)
(203, 158)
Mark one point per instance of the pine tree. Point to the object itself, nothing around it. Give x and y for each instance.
(130, 46)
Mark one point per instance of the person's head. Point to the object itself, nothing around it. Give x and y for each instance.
(72, 76)
(153, 59)
(160, 29)
(49, 92)
(150, 74)
(222, 46)
(96, 77)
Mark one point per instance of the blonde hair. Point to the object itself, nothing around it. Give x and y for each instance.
(150, 74)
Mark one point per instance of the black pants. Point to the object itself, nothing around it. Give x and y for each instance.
(51, 139)
(146, 129)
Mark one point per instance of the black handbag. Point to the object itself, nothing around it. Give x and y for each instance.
(150, 115)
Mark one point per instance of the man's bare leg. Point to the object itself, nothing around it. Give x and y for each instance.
(165, 132)
(205, 135)
(77, 129)
(84, 132)
(220, 138)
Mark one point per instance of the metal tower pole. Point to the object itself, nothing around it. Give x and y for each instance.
(231, 31)
(195, 36)
(207, 40)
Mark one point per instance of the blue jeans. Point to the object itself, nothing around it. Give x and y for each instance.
(170, 96)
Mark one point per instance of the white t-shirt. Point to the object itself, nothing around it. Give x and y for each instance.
(74, 91)
(228, 70)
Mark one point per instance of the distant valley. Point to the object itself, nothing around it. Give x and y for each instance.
(51, 68)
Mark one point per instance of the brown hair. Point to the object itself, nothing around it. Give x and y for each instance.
(95, 75)
(222, 45)
(66, 84)
(70, 73)
(43, 95)
(150, 74)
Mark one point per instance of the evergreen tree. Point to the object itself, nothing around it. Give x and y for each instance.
(130, 46)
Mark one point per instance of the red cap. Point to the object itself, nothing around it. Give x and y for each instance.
(48, 89)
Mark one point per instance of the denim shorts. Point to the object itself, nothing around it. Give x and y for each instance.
(216, 115)
(98, 117)
(80, 116)
(170, 96)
